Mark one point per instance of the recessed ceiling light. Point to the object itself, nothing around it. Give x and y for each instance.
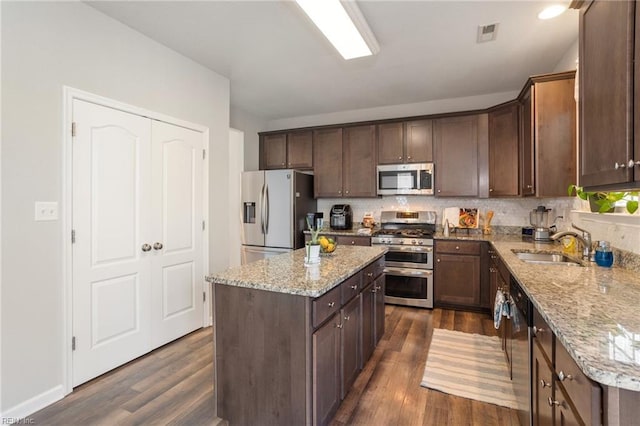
(343, 25)
(552, 11)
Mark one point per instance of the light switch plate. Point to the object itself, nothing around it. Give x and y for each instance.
(46, 210)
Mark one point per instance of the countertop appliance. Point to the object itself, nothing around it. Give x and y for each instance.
(341, 216)
(405, 179)
(274, 208)
(409, 261)
(520, 340)
(539, 218)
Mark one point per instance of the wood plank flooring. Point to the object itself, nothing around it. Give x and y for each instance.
(173, 385)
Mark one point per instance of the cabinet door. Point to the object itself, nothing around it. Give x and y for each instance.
(274, 151)
(606, 81)
(359, 166)
(368, 325)
(350, 345)
(419, 141)
(456, 159)
(326, 371)
(503, 151)
(327, 162)
(542, 382)
(300, 150)
(527, 179)
(555, 137)
(390, 143)
(564, 415)
(457, 280)
(636, 98)
(379, 287)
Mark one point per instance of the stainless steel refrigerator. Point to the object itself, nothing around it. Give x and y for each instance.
(274, 208)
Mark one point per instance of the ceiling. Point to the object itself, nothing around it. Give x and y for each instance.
(280, 65)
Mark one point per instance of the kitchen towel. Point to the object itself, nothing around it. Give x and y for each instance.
(500, 309)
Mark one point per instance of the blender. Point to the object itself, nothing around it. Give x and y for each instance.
(539, 218)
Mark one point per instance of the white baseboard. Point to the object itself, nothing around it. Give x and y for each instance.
(34, 404)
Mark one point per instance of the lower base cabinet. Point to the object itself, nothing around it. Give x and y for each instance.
(326, 370)
(372, 317)
(350, 344)
(457, 276)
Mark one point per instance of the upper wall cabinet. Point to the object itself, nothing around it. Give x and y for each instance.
(503, 150)
(457, 141)
(548, 135)
(345, 162)
(291, 150)
(408, 142)
(610, 153)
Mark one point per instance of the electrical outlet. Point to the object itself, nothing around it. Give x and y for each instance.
(46, 210)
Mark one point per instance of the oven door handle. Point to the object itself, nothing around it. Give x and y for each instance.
(412, 249)
(408, 272)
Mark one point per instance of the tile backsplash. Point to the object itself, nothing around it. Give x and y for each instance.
(623, 231)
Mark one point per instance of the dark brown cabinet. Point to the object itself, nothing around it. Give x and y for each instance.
(503, 150)
(326, 371)
(606, 93)
(548, 135)
(372, 309)
(291, 150)
(348, 240)
(345, 162)
(542, 382)
(457, 278)
(405, 142)
(456, 144)
(350, 345)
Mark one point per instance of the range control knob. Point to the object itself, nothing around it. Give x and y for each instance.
(414, 242)
(420, 242)
(401, 242)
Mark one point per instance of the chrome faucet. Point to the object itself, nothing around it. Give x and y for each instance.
(585, 240)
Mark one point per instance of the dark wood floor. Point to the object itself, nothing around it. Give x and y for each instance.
(173, 384)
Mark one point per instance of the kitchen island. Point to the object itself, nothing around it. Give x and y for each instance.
(289, 340)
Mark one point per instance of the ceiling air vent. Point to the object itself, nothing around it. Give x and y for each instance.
(487, 32)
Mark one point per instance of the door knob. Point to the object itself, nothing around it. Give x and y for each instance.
(157, 246)
(146, 247)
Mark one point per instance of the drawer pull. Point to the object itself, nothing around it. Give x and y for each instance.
(552, 402)
(438, 260)
(374, 290)
(353, 243)
(457, 247)
(354, 287)
(340, 326)
(331, 304)
(544, 384)
(537, 330)
(378, 288)
(370, 274)
(347, 318)
(563, 376)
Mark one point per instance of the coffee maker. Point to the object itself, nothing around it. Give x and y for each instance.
(539, 219)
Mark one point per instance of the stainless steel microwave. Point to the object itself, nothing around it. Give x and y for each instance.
(405, 179)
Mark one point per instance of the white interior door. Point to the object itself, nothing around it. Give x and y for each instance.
(111, 207)
(177, 264)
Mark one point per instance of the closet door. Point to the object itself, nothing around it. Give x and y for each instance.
(111, 263)
(177, 214)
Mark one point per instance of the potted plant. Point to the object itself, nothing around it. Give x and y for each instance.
(605, 201)
(312, 247)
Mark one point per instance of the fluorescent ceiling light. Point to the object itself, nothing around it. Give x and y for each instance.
(343, 25)
(552, 11)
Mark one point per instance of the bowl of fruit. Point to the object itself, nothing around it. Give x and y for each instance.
(327, 245)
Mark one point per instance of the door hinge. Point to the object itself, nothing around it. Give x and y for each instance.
(73, 236)
(73, 343)
(204, 296)
(203, 226)
(73, 128)
(204, 154)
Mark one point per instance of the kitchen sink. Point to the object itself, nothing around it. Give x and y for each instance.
(547, 258)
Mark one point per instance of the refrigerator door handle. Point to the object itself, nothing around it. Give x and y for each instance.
(266, 205)
(262, 219)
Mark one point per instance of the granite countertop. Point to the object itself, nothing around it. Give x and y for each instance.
(592, 310)
(353, 232)
(287, 273)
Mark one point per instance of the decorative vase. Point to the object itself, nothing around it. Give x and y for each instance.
(312, 254)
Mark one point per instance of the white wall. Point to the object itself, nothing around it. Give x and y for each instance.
(395, 111)
(46, 45)
(250, 125)
(568, 60)
(236, 167)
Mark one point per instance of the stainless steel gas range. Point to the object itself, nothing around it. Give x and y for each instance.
(409, 261)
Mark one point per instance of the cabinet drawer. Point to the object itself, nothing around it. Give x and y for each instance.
(325, 306)
(585, 394)
(458, 247)
(372, 271)
(351, 287)
(353, 241)
(502, 269)
(543, 334)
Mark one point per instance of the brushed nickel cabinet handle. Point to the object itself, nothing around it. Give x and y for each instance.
(544, 384)
(339, 325)
(562, 376)
(552, 402)
(620, 166)
(331, 304)
(354, 287)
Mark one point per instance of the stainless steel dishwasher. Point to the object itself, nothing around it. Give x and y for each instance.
(521, 323)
